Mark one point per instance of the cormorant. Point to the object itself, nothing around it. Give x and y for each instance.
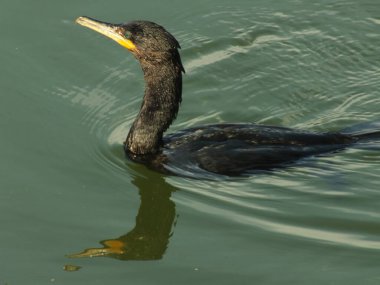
(227, 149)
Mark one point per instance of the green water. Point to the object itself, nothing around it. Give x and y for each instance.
(68, 97)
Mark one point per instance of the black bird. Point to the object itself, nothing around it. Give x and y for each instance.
(227, 149)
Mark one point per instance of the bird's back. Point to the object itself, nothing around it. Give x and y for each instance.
(235, 149)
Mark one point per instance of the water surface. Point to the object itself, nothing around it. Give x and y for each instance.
(69, 96)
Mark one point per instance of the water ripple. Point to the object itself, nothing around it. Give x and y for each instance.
(276, 201)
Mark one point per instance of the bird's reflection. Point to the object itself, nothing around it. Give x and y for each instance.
(149, 239)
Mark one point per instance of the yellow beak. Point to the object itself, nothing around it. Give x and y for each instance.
(109, 30)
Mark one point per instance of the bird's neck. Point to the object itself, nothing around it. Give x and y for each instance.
(159, 108)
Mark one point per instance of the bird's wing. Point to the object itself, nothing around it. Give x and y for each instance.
(229, 160)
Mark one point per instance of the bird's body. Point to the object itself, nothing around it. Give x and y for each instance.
(228, 149)
(236, 149)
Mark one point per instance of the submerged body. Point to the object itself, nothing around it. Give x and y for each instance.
(228, 149)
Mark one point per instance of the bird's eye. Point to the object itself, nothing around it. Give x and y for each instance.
(127, 34)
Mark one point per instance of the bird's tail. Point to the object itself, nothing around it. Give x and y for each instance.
(368, 132)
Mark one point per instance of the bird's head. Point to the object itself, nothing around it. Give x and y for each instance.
(142, 38)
